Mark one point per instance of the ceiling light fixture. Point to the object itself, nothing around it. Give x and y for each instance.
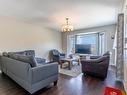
(67, 27)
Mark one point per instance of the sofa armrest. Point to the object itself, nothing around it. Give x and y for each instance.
(43, 72)
(98, 60)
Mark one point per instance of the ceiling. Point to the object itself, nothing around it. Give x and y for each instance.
(52, 13)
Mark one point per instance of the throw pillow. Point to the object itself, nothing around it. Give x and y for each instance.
(5, 54)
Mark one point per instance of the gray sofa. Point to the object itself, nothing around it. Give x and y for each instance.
(32, 78)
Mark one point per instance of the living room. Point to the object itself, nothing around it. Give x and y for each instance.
(73, 47)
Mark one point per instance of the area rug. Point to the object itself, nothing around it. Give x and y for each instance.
(74, 72)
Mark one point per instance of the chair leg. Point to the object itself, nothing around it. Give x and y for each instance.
(78, 62)
(55, 83)
(61, 65)
(69, 65)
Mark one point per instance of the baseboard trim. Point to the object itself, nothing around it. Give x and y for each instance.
(125, 87)
(112, 64)
(120, 80)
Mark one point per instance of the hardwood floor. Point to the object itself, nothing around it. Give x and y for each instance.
(66, 85)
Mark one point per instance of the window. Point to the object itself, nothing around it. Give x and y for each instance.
(89, 42)
(93, 43)
(101, 43)
(71, 44)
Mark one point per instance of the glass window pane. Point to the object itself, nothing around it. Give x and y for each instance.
(71, 44)
(89, 40)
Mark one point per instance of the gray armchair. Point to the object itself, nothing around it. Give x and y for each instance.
(96, 67)
(56, 55)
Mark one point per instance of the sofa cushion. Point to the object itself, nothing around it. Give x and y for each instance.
(30, 53)
(28, 59)
(26, 52)
(19, 53)
(10, 54)
(40, 60)
(5, 54)
(13, 56)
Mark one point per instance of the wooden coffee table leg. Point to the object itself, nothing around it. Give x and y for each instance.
(78, 61)
(69, 65)
(61, 66)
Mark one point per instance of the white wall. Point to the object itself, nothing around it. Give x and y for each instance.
(109, 31)
(17, 35)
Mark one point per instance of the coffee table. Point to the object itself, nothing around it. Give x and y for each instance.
(69, 61)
